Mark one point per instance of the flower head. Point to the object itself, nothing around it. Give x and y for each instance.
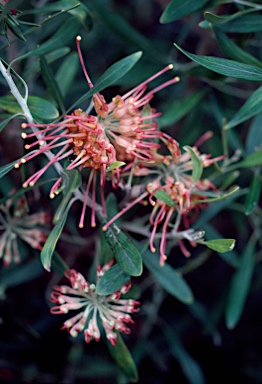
(16, 223)
(182, 198)
(122, 131)
(112, 310)
(79, 135)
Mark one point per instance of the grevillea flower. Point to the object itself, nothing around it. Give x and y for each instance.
(112, 310)
(184, 195)
(15, 223)
(127, 120)
(122, 131)
(82, 136)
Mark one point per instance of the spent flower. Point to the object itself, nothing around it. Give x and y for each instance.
(112, 311)
(16, 223)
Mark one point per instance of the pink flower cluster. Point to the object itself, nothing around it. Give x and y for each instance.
(16, 223)
(112, 310)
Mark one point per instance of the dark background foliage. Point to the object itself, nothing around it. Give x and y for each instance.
(170, 342)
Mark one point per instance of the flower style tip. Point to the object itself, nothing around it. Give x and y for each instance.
(113, 311)
(100, 104)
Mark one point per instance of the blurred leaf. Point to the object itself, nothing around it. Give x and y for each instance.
(240, 285)
(26, 272)
(50, 57)
(40, 108)
(244, 24)
(4, 123)
(253, 193)
(226, 67)
(50, 82)
(252, 107)
(207, 214)
(6, 168)
(220, 245)
(8, 7)
(71, 180)
(179, 109)
(163, 196)
(112, 281)
(68, 31)
(22, 191)
(111, 75)
(177, 9)
(254, 136)
(130, 35)
(197, 165)
(123, 358)
(218, 20)
(189, 366)
(233, 51)
(50, 244)
(58, 265)
(56, 6)
(169, 279)
(251, 160)
(126, 254)
(67, 72)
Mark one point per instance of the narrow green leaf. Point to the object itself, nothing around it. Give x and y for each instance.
(163, 196)
(254, 136)
(50, 244)
(67, 72)
(4, 123)
(123, 358)
(125, 31)
(252, 107)
(111, 75)
(177, 9)
(8, 7)
(244, 24)
(67, 32)
(233, 51)
(126, 254)
(50, 82)
(114, 165)
(220, 245)
(240, 285)
(223, 196)
(189, 366)
(179, 109)
(197, 165)
(22, 191)
(207, 214)
(58, 265)
(226, 67)
(253, 193)
(6, 168)
(71, 180)
(251, 160)
(169, 279)
(218, 20)
(56, 6)
(112, 280)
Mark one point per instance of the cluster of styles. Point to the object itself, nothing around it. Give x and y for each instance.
(121, 143)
